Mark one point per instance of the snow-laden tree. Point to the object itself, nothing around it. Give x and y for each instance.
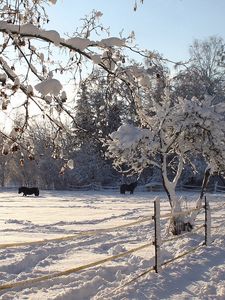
(173, 131)
(35, 62)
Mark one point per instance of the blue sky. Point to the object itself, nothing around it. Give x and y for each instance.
(168, 26)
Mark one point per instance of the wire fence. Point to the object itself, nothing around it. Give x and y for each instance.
(149, 187)
(24, 283)
(178, 220)
(157, 242)
(76, 235)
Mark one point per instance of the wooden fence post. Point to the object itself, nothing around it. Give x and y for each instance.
(207, 223)
(157, 240)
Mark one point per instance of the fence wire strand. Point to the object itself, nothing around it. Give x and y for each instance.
(72, 270)
(181, 213)
(165, 263)
(70, 237)
(183, 234)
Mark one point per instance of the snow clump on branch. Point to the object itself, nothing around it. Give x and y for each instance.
(49, 86)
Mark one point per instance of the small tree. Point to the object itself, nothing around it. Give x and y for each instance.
(174, 130)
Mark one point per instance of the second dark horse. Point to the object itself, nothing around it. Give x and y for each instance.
(128, 187)
(28, 191)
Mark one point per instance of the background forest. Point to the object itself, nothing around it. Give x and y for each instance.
(100, 107)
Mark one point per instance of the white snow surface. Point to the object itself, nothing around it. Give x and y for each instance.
(198, 275)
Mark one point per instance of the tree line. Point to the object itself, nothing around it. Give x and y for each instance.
(100, 106)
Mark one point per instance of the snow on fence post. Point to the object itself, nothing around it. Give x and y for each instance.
(157, 240)
(207, 223)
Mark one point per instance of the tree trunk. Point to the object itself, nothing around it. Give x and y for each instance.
(167, 191)
(177, 224)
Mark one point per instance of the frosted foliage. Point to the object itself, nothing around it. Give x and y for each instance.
(70, 164)
(50, 86)
(129, 135)
(13, 134)
(5, 149)
(3, 77)
(98, 14)
(63, 96)
(130, 144)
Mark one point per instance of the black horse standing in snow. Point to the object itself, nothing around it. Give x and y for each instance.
(28, 191)
(128, 187)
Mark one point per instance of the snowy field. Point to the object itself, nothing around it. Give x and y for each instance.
(87, 221)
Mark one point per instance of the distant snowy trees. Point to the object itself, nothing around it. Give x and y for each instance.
(205, 71)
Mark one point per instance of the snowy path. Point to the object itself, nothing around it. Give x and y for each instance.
(58, 214)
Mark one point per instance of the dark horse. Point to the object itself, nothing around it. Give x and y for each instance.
(128, 187)
(28, 191)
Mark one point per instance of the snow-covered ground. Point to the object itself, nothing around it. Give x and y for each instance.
(52, 215)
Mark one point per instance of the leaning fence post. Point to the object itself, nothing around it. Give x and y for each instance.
(157, 240)
(207, 223)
